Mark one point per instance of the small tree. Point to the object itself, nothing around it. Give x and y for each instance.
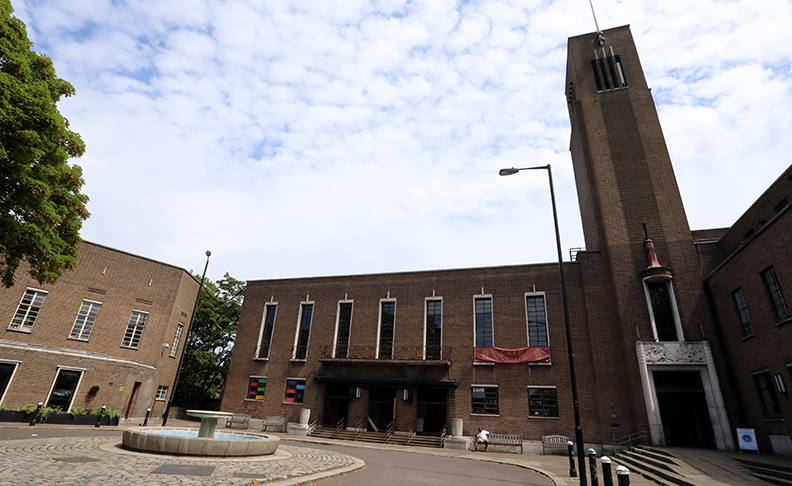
(210, 343)
(41, 207)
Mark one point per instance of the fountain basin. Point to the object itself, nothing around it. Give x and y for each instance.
(185, 442)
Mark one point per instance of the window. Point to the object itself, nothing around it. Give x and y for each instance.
(295, 390)
(265, 334)
(27, 310)
(303, 331)
(742, 310)
(433, 329)
(176, 338)
(537, 319)
(64, 388)
(608, 73)
(660, 296)
(7, 369)
(485, 399)
(387, 322)
(767, 393)
(542, 401)
(776, 297)
(343, 328)
(483, 309)
(134, 330)
(162, 393)
(84, 323)
(256, 388)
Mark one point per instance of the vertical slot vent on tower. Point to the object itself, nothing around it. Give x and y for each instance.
(608, 72)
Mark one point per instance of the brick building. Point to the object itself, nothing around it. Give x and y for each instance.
(114, 322)
(658, 343)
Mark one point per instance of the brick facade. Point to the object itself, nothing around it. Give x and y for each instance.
(127, 377)
(655, 342)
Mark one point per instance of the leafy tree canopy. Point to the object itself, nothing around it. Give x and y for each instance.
(41, 207)
(210, 343)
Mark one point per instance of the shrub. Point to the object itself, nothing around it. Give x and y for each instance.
(78, 411)
(28, 409)
(94, 389)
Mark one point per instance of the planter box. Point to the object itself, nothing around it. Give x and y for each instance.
(56, 418)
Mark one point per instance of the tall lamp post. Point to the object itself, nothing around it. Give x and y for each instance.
(581, 454)
(186, 340)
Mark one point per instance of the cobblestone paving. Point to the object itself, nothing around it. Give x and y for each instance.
(33, 462)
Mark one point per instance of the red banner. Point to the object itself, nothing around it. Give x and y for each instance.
(533, 354)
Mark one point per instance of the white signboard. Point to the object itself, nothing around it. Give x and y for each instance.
(747, 440)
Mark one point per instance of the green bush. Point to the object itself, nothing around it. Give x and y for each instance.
(28, 409)
(94, 389)
(78, 411)
(45, 411)
(110, 413)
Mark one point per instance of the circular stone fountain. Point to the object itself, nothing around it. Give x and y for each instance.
(185, 441)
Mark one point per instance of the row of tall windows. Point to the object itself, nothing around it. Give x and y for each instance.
(32, 301)
(776, 300)
(535, 311)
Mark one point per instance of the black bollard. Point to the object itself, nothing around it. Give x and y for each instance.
(607, 476)
(36, 413)
(148, 414)
(101, 414)
(592, 454)
(623, 475)
(572, 470)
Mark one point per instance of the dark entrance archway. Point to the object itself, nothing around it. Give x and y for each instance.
(382, 407)
(432, 407)
(683, 408)
(336, 404)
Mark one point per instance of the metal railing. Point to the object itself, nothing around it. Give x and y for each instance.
(641, 437)
(443, 435)
(399, 353)
(340, 427)
(389, 432)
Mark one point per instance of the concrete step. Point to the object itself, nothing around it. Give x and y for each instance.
(635, 463)
(377, 437)
(750, 463)
(771, 479)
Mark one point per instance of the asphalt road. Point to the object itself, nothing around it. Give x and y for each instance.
(383, 467)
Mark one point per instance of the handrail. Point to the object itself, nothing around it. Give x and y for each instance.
(312, 426)
(340, 426)
(359, 427)
(389, 432)
(443, 434)
(636, 438)
(411, 432)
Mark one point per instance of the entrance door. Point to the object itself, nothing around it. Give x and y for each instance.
(382, 407)
(683, 408)
(63, 390)
(132, 396)
(336, 404)
(432, 406)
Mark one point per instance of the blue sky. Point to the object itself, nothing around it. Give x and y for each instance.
(340, 137)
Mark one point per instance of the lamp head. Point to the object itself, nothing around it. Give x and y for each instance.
(506, 172)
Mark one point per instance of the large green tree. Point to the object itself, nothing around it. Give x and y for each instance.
(41, 207)
(210, 343)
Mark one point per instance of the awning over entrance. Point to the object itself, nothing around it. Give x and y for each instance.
(394, 382)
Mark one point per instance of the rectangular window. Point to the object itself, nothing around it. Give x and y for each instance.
(7, 370)
(295, 390)
(86, 318)
(484, 332)
(742, 310)
(162, 393)
(776, 296)
(64, 388)
(767, 393)
(485, 399)
(387, 323)
(28, 310)
(265, 334)
(134, 330)
(303, 331)
(537, 319)
(434, 329)
(661, 302)
(256, 387)
(343, 329)
(542, 402)
(176, 338)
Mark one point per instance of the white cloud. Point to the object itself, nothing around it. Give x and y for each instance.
(301, 138)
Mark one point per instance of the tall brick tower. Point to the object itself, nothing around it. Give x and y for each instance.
(635, 223)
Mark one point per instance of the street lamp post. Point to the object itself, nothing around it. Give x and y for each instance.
(186, 340)
(581, 454)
